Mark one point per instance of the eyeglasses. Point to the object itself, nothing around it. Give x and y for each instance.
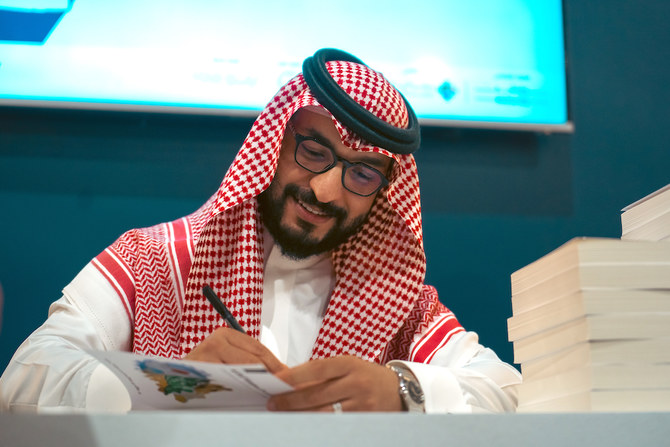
(358, 178)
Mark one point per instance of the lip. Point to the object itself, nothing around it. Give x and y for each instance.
(306, 213)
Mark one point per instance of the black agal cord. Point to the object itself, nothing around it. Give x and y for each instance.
(346, 110)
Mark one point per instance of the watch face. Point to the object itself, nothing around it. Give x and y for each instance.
(415, 392)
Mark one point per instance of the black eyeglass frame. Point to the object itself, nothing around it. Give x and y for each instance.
(299, 139)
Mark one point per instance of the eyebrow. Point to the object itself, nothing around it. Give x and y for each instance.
(375, 162)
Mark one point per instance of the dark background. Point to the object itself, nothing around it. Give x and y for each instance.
(493, 201)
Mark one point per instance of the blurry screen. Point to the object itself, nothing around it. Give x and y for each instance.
(478, 63)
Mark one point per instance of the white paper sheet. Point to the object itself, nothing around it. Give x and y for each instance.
(155, 383)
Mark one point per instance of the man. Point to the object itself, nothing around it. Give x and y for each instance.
(313, 241)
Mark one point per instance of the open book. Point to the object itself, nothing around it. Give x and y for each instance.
(155, 383)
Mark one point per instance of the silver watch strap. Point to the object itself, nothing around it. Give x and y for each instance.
(409, 388)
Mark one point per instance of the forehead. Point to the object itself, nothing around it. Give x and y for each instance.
(320, 125)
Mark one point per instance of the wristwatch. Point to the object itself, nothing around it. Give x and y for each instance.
(409, 388)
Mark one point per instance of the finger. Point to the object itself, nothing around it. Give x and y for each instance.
(221, 352)
(338, 407)
(226, 345)
(315, 371)
(344, 406)
(258, 350)
(317, 397)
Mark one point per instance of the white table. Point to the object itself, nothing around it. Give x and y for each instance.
(186, 429)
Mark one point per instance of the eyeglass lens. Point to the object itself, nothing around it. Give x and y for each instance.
(357, 178)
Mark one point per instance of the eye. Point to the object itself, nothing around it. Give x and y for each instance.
(314, 150)
(313, 156)
(363, 175)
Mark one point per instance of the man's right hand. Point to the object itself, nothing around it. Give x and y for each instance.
(226, 345)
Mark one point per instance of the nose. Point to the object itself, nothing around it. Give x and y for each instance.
(327, 186)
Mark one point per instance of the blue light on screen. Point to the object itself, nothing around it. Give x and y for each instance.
(470, 63)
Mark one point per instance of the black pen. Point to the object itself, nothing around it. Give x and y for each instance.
(222, 309)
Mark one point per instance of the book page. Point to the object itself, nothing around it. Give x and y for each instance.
(156, 383)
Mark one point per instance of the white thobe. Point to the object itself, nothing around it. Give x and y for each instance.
(51, 371)
(295, 297)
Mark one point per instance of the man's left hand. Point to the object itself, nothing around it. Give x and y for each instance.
(356, 384)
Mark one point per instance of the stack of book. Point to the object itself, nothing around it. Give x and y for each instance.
(591, 327)
(648, 219)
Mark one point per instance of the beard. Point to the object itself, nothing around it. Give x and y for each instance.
(299, 243)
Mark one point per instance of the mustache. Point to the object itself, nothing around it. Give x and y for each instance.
(307, 196)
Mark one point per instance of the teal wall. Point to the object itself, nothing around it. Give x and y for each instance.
(70, 183)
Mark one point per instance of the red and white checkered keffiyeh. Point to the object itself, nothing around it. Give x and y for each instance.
(379, 300)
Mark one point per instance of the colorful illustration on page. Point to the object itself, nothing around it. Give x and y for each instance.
(182, 381)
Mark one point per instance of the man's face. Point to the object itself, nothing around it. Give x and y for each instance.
(310, 213)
